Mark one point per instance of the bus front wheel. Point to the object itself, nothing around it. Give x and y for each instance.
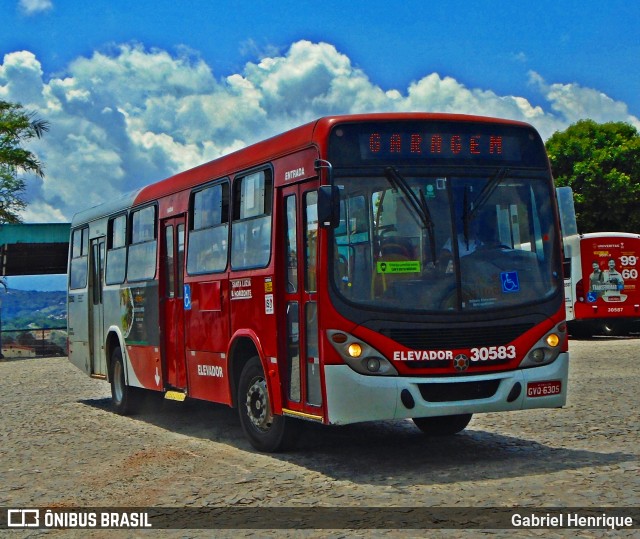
(443, 425)
(265, 431)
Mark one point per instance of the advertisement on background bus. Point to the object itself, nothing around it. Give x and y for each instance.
(603, 286)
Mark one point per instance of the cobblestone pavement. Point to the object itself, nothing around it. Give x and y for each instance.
(62, 446)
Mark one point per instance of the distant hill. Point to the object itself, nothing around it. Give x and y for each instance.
(37, 282)
(24, 308)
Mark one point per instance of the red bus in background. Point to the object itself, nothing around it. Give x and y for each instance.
(357, 268)
(602, 286)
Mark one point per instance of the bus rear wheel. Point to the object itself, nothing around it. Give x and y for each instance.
(265, 431)
(444, 425)
(125, 399)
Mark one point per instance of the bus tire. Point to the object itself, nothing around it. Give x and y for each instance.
(443, 425)
(124, 398)
(266, 432)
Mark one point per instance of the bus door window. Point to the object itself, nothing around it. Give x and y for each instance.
(314, 391)
(300, 258)
(172, 265)
(174, 261)
(97, 265)
(291, 269)
(169, 285)
(291, 249)
(180, 261)
(98, 363)
(293, 351)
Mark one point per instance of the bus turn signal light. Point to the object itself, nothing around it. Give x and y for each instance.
(553, 340)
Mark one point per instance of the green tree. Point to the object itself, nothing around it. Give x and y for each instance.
(17, 126)
(601, 163)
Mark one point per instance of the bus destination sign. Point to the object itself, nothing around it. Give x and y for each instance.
(438, 145)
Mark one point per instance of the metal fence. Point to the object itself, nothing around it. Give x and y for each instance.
(34, 342)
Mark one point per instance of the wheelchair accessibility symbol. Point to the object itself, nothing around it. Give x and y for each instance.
(510, 281)
(187, 297)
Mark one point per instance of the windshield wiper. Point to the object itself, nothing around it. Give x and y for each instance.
(471, 209)
(418, 204)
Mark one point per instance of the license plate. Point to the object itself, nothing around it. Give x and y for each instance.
(544, 389)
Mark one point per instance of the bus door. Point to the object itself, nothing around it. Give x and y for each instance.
(96, 307)
(172, 302)
(300, 343)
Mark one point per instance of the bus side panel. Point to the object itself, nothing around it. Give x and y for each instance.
(145, 367)
(207, 339)
(610, 283)
(252, 314)
(208, 374)
(133, 308)
(572, 269)
(78, 329)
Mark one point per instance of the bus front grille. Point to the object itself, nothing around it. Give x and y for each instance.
(458, 391)
(456, 338)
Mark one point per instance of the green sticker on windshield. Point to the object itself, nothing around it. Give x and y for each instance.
(398, 266)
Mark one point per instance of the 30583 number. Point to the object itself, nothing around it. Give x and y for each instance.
(491, 353)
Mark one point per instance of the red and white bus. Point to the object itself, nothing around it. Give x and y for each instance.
(314, 276)
(602, 287)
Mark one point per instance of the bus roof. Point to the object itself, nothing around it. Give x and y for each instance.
(310, 134)
(313, 134)
(590, 235)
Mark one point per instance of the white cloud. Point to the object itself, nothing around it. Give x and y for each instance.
(573, 102)
(124, 118)
(520, 57)
(32, 7)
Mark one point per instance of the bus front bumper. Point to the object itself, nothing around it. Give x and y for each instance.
(353, 397)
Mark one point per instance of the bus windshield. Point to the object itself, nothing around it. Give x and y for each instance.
(441, 243)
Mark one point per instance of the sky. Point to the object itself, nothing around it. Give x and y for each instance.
(137, 91)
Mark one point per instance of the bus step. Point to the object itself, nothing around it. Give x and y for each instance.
(175, 395)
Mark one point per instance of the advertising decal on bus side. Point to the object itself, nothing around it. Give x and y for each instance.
(612, 267)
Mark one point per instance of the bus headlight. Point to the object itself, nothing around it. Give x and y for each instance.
(547, 349)
(373, 364)
(360, 356)
(537, 355)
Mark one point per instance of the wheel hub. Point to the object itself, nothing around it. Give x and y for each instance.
(258, 408)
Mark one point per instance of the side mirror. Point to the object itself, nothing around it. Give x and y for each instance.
(329, 206)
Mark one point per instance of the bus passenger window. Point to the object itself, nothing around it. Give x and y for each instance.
(141, 263)
(251, 228)
(79, 258)
(209, 230)
(116, 250)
